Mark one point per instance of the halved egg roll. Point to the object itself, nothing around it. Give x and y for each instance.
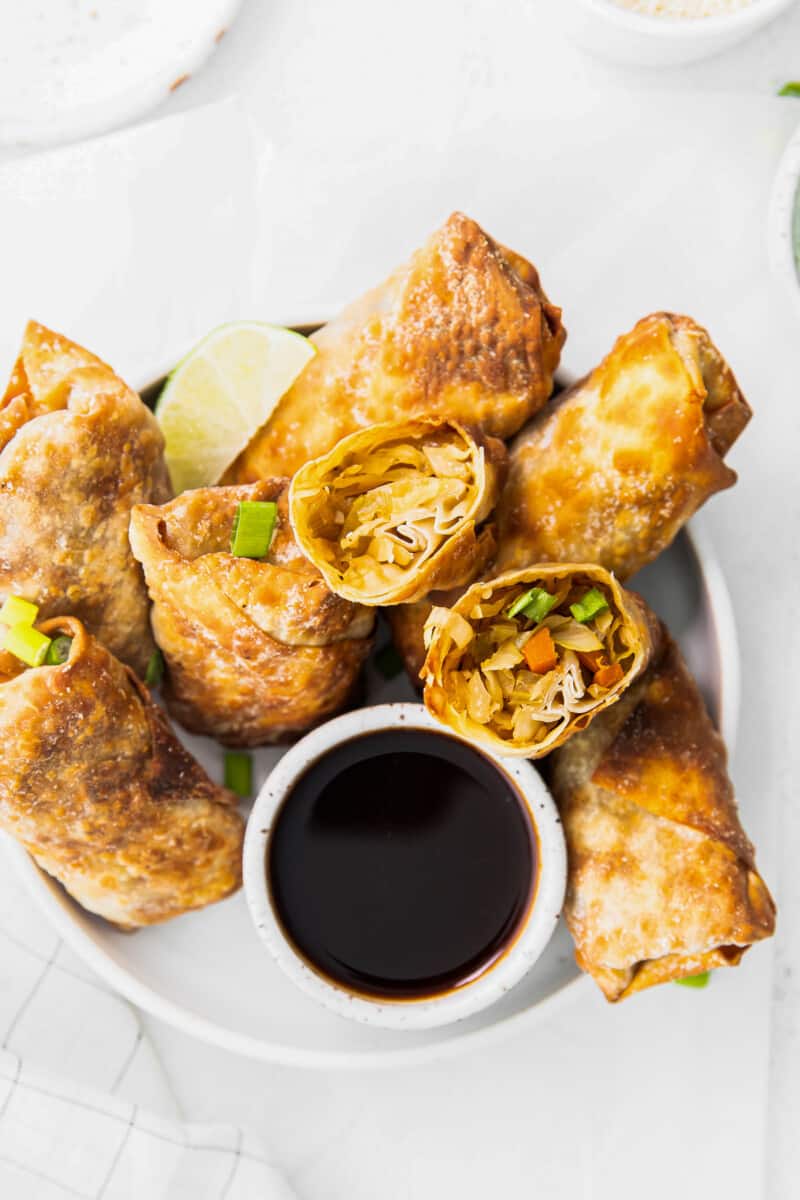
(618, 463)
(662, 878)
(523, 661)
(98, 789)
(392, 511)
(77, 450)
(463, 330)
(257, 649)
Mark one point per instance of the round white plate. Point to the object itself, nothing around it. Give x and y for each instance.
(208, 974)
(71, 68)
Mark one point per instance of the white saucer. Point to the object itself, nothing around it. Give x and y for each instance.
(71, 68)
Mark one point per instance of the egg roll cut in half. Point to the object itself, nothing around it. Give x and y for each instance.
(77, 450)
(612, 470)
(523, 661)
(391, 512)
(463, 330)
(97, 788)
(662, 879)
(257, 649)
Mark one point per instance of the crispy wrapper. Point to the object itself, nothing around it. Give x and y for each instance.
(391, 512)
(556, 708)
(98, 789)
(257, 650)
(662, 878)
(612, 470)
(77, 450)
(463, 330)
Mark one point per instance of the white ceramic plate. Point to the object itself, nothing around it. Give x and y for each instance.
(71, 68)
(208, 974)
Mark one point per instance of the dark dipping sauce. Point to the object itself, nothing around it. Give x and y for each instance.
(402, 864)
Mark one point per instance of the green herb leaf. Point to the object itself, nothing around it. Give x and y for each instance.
(253, 527)
(154, 672)
(239, 772)
(790, 89)
(58, 651)
(696, 981)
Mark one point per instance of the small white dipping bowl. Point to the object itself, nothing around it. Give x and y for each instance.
(530, 939)
(624, 36)
(785, 191)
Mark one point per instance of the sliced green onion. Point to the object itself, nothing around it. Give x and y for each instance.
(27, 644)
(521, 601)
(239, 772)
(253, 527)
(154, 671)
(17, 611)
(790, 89)
(389, 662)
(58, 651)
(589, 605)
(537, 604)
(696, 981)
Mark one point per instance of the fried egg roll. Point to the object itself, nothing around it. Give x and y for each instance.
(463, 330)
(391, 512)
(662, 878)
(257, 649)
(612, 470)
(523, 661)
(77, 450)
(97, 788)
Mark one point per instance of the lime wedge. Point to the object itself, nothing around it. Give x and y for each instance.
(221, 393)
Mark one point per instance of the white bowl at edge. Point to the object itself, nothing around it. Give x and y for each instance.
(624, 36)
(780, 233)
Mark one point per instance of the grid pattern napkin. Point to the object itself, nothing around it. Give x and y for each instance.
(78, 1081)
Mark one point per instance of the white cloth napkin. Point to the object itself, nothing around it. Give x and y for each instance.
(110, 242)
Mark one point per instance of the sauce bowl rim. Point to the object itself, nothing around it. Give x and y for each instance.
(414, 1014)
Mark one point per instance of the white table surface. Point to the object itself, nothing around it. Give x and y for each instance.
(673, 1093)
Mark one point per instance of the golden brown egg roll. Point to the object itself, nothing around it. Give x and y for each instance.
(662, 879)
(257, 650)
(98, 789)
(463, 330)
(77, 450)
(391, 512)
(618, 463)
(523, 661)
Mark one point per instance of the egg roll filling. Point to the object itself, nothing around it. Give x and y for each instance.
(380, 513)
(528, 659)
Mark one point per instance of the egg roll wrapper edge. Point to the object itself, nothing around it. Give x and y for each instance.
(97, 788)
(256, 651)
(462, 330)
(78, 449)
(662, 879)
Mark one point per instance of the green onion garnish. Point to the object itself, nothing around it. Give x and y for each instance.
(253, 526)
(17, 611)
(535, 604)
(58, 651)
(239, 772)
(27, 644)
(154, 671)
(389, 662)
(589, 605)
(696, 981)
(790, 89)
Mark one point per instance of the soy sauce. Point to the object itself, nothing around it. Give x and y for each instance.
(402, 864)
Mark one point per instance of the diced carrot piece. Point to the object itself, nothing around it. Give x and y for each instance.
(608, 676)
(593, 660)
(540, 653)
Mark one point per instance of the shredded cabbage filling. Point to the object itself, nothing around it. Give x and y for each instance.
(524, 693)
(394, 506)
